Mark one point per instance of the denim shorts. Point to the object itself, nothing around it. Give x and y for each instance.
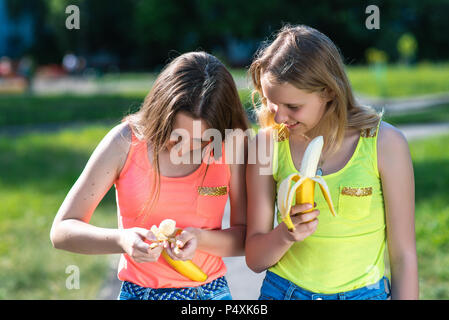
(275, 287)
(215, 290)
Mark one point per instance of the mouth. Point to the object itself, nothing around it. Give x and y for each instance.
(292, 125)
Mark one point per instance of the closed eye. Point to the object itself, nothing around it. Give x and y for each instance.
(293, 107)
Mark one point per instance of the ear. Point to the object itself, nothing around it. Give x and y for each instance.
(327, 94)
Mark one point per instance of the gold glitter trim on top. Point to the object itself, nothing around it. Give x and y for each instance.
(357, 192)
(369, 133)
(282, 133)
(212, 191)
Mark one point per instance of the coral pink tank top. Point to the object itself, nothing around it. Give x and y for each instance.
(189, 200)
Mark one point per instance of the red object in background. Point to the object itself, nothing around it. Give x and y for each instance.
(5, 67)
(50, 71)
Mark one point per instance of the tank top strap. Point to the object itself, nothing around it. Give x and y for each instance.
(369, 144)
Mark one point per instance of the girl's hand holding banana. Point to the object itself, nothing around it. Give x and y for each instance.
(133, 243)
(304, 224)
(303, 188)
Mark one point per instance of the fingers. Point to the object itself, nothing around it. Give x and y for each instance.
(142, 251)
(300, 208)
(303, 230)
(146, 234)
(305, 225)
(305, 217)
(184, 246)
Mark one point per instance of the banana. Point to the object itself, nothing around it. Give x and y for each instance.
(186, 268)
(167, 231)
(304, 184)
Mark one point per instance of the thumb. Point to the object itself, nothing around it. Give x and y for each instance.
(145, 234)
(141, 246)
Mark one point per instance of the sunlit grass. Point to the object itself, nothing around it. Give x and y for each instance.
(37, 171)
(400, 81)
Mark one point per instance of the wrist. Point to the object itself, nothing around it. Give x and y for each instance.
(197, 232)
(118, 239)
(285, 235)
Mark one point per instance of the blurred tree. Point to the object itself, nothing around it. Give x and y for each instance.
(145, 33)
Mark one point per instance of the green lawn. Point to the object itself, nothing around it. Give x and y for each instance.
(29, 109)
(434, 114)
(37, 171)
(431, 165)
(400, 81)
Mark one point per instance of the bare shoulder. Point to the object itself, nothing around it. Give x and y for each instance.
(113, 149)
(389, 135)
(392, 146)
(120, 137)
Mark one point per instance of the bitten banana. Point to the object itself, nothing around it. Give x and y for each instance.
(304, 185)
(166, 232)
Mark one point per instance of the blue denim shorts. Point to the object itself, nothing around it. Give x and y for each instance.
(215, 290)
(275, 287)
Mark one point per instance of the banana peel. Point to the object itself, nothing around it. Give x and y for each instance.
(304, 184)
(167, 231)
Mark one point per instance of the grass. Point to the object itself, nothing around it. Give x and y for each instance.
(36, 172)
(434, 114)
(29, 109)
(431, 165)
(400, 81)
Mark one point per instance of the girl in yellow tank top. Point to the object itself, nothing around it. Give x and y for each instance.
(300, 80)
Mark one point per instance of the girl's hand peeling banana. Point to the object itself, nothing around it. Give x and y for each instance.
(179, 249)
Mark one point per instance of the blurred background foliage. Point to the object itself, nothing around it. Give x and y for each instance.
(141, 33)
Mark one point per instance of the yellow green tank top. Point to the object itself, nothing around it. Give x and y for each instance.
(346, 252)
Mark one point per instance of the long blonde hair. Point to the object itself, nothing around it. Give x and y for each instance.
(309, 60)
(196, 83)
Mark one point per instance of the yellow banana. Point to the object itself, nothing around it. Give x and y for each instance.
(186, 268)
(166, 232)
(304, 185)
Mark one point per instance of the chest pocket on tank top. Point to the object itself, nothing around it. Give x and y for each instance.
(210, 200)
(354, 202)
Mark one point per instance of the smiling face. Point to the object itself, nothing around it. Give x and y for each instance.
(298, 109)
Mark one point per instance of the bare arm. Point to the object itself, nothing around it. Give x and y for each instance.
(71, 230)
(396, 171)
(265, 246)
(230, 242)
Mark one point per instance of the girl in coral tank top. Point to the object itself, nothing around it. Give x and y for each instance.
(168, 161)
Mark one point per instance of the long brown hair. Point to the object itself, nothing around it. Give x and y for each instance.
(196, 83)
(309, 60)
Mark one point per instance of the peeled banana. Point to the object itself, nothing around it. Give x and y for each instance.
(167, 231)
(304, 185)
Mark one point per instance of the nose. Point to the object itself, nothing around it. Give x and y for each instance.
(280, 115)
